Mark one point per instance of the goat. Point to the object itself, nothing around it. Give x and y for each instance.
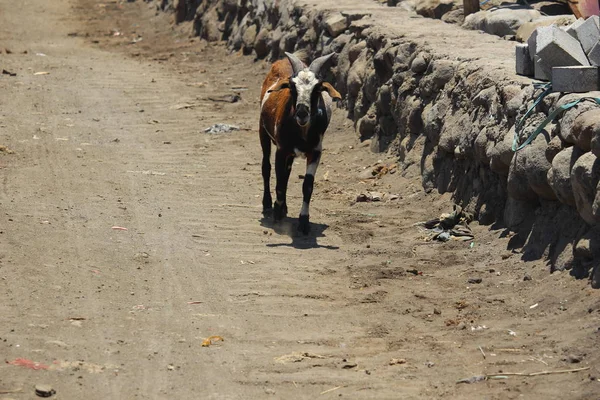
(295, 113)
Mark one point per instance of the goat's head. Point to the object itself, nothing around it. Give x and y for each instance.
(306, 86)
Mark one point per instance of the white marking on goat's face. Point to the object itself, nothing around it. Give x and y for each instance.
(305, 83)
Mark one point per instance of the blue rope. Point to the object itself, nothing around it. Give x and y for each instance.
(519, 126)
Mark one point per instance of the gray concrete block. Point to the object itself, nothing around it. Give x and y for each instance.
(588, 34)
(571, 29)
(556, 48)
(594, 55)
(540, 70)
(575, 79)
(524, 65)
(532, 43)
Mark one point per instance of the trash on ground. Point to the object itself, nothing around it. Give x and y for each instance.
(4, 149)
(376, 196)
(44, 390)
(474, 280)
(473, 379)
(5, 72)
(10, 391)
(221, 128)
(119, 228)
(297, 357)
(42, 73)
(396, 361)
(452, 226)
(209, 340)
(24, 362)
(228, 98)
(478, 328)
(195, 302)
(148, 173)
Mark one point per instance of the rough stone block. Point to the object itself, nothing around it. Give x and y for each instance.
(575, 79)
(336, 24)
(594, 55)
(588, 34)
(524, 64)
(556, 48)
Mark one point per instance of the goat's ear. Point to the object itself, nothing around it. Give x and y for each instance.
(280, 86)
(335, 95)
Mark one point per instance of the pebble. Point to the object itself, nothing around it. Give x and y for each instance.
(44, 390)
(436, 311)
(573, 359)
(527, 277)
(461, 326)
(475, 280)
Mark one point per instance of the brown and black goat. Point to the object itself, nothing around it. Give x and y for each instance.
(295, 112)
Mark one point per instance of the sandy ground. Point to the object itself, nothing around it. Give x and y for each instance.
(105, 131)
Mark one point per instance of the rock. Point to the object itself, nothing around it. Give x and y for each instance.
(537, 166)
(573, 358)
(569, 116)
(501, 154)
(517, 211)
(474, 280)
(434, 8)
(585, 176)
(261, 44)
(441, 72)
(517, 184)
(356, 50)
(559, 175)
(461, 326)
(526, 277)
(500, 22)
(585, 127)
(419, 64)
(366, 126)
(384, 100)
(454, 17)
(44, 390)
(336, 24)
(249, 37)
(554, 147)
(526, 29)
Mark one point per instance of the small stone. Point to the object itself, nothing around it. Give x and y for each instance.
(396, 361)
(573, 359)
(429, 364)
(461, 326)
(44, 390)
(437, 311)
(527, 277)
(361, 198)
(475, 280)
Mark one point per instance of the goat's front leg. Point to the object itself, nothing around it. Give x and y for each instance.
(312, 162)
(283, 167)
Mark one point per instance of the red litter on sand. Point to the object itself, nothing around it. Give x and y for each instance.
(23, 362)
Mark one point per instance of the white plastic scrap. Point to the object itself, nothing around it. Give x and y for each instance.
(221, 128)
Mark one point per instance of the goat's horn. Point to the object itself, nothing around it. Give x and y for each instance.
(318, 63)
(297, 65)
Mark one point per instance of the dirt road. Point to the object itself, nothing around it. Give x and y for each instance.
(105, 121)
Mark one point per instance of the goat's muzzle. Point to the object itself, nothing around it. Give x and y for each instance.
(302, 115)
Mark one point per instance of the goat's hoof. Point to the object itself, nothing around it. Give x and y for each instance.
(267, 211)
(279, 212)
(303, 224)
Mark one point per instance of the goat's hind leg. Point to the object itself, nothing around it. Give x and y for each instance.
(265, 143)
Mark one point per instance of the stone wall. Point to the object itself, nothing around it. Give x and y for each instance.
(449, 116)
